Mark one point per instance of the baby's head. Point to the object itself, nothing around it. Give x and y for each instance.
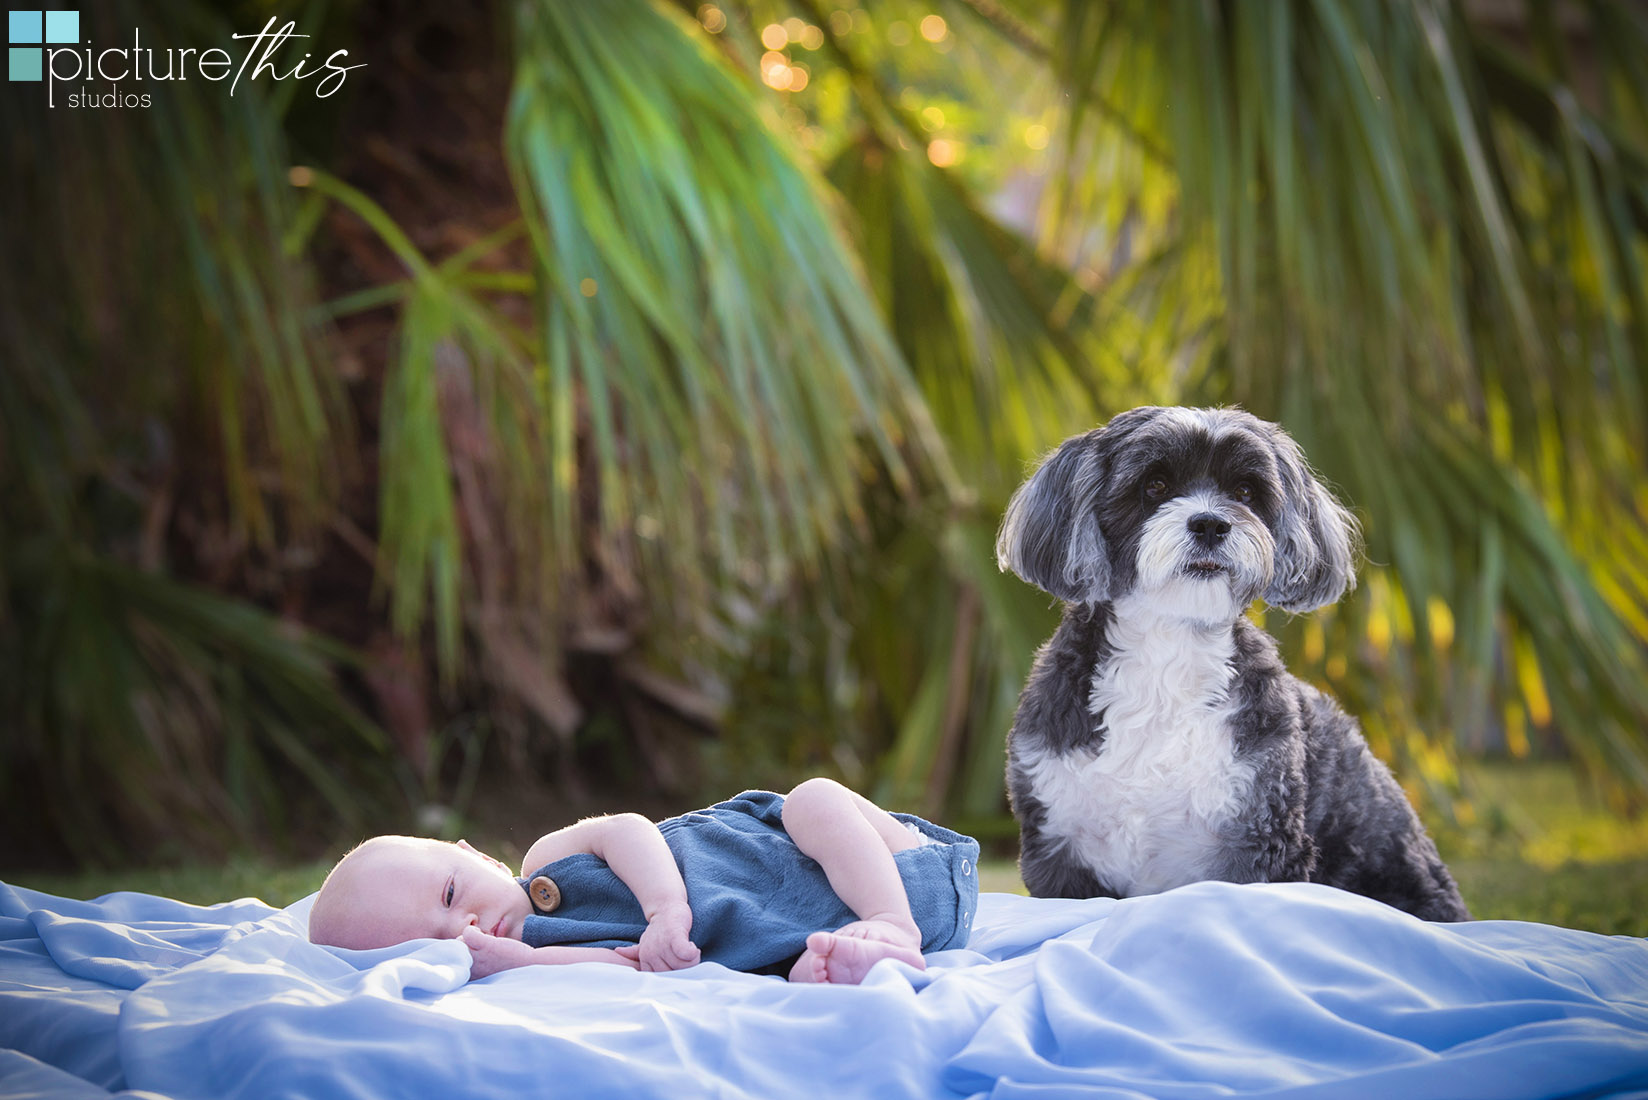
(391, 889)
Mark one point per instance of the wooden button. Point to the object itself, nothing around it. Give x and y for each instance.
(545, 895)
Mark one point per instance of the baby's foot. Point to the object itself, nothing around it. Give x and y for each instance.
(844, 956)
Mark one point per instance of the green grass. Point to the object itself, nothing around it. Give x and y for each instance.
(244, 877)
(1541, 849)
(1544, 848)
(1611, 898)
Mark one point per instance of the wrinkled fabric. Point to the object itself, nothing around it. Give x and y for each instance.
(1213, 990)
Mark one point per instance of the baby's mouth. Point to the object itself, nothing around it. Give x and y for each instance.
(498, 929)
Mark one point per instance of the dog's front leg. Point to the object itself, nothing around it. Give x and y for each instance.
(1048, 866)
(1268, 840)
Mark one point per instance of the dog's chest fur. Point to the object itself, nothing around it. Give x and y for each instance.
(1143, 806)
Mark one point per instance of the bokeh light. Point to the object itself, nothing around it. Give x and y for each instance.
(1036, 135)
(712, 18)
(776, 74)
(774, 37)
(934, 28)
(943, 152)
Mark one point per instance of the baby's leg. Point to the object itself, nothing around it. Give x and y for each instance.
(853, 840)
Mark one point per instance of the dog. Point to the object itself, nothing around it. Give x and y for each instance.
(1159, 739)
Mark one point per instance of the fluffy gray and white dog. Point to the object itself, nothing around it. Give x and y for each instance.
(1160, 740)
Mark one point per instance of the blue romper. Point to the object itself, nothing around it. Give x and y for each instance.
(755, 898)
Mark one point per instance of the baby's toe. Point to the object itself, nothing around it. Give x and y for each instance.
(813, 965)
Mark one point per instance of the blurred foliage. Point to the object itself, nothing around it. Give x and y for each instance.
(162, 398)
(627, 393)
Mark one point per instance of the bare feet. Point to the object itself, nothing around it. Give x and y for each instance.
(844, 956)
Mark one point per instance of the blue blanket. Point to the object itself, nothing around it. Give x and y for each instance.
(1212, 990)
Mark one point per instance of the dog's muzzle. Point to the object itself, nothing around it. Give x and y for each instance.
(1195, 539)
(1207, 539)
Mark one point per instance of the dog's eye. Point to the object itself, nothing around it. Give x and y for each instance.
(1155, 489)
(1243, 493)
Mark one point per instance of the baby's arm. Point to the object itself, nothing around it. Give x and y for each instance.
(635, 850)
(490, 954)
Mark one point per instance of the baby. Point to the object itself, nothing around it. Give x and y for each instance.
(820, 884)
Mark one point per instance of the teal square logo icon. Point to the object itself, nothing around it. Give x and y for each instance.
(25, 63)
(63, 27)
(28, 26)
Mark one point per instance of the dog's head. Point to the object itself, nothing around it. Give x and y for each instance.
(1200, 510)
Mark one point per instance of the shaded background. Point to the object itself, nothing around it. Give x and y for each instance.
(612, 404)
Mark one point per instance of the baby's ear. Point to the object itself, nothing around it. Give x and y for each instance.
(1050, 533)
(468, 847)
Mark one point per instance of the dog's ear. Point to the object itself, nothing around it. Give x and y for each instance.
(1317, 538)
(1050, 533)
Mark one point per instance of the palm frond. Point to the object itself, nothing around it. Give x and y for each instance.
(704, 326)
(160, 376)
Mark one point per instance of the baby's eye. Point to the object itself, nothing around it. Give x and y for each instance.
(451, 888)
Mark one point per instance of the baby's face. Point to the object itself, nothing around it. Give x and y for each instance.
(408, 888)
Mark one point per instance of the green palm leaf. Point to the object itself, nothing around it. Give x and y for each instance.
(705, 328)
(160, 377)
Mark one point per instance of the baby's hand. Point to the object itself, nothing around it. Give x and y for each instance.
(490, 954)
(665, 945)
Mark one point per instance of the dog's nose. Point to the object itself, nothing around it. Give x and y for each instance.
(1208, 528)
